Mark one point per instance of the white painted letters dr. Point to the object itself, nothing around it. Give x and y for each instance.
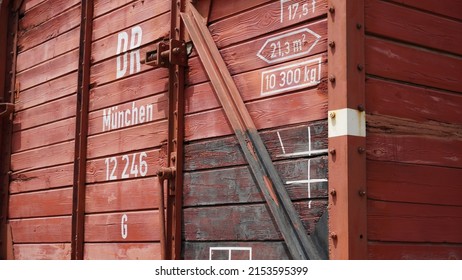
(122, 48)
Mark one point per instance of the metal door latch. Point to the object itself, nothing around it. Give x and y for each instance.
(172, 53)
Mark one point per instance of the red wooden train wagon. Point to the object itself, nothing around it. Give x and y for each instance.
(263, 129)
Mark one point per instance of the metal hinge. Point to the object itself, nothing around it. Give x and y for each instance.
(172, 53)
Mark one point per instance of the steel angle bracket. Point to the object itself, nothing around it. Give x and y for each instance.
(299, 243)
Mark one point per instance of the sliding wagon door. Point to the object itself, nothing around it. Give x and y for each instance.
(276, 53)
(40, 204)
(126, 129)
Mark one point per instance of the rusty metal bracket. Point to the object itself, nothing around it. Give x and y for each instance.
(8, 108)
(300, 245)
(166, 54)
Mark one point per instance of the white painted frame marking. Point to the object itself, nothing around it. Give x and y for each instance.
(230, 249)
(310, 152)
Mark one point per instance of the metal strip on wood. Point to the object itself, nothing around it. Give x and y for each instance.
(347, 144)
(298, 242)
(80, 161)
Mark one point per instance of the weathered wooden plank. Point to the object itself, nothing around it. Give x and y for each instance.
(423, 150)
(128, 15)
(122, 227)
(104, 6)
(42, 230)
(130, 139)
(43, 179)
(236, 185)
(295, 108)
(48, 112)
(48, 50)
(450, 8)
(132, 88)
(414, 183)
(107, 47)
(29, 4)
(409, 25)
(264, 19)
(411, 102)
(275, 250)
(44, 12)
(405, 222)
(413, 251)
(105, 169)
(41, 204)
(43, 157)
(133, 113)
(49, 70)
(137, 194)
(225, 9)
(47, 92)
(243, 222)
(122, 251)
(51, 29)
(411, 64)
(59, 251)
(49, 134)
(225, 152)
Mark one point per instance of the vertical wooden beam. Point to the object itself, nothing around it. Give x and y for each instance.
(80, 160)
(175, 140)
(347, 142)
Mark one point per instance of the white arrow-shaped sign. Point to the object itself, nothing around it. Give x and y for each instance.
(288, 46)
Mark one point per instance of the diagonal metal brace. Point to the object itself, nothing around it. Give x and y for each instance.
(300, 245)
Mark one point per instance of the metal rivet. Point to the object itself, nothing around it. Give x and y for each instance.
(332, 44)
(332, 115)
(332, 151)
(361, 108)
(331, 9)
(362, 193)
(360, 67)
(332, 78)
(333, 192)
(358, 26)
(333, 235)
(361, 150)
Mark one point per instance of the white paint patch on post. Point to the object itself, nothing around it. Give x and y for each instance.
(347, 122)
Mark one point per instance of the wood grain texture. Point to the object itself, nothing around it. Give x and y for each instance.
(29, 4)
(225, 9)
(47, 92)
(236, 185)
(259, 21)
(105, 6)
(126, 140)
(42, 179)
(415, 149)
(295, 108)
(450, 8)
(122, 251)
(412, 251)
(41, 204)
(97, 169)
(49, 134)
(49, 30)
(58, 251)
(411, 102)
(405, 222)
(158, 103)
(136, 194)
(128, 15)
(42, 230)
(49, 70)
(131, 88)
(141, 226)
(414, 26)
(409, 64)
(275, 250)
(107, 47)
(48, 112)
(397, 182)
(243, 222)
(225, 152)
(49, 50)
(44, 12)
(43, 157)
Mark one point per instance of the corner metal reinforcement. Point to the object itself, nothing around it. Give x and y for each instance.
(300, 245)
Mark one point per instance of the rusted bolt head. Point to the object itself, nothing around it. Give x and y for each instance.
(332, 44)
(361, 107)
(332, 151)
(362, 192)
(360, 67)
(332, 78)
(332, 115)
(361, 150)
(358, 26)
(333, 235)
(331, 9)
(333, 192)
